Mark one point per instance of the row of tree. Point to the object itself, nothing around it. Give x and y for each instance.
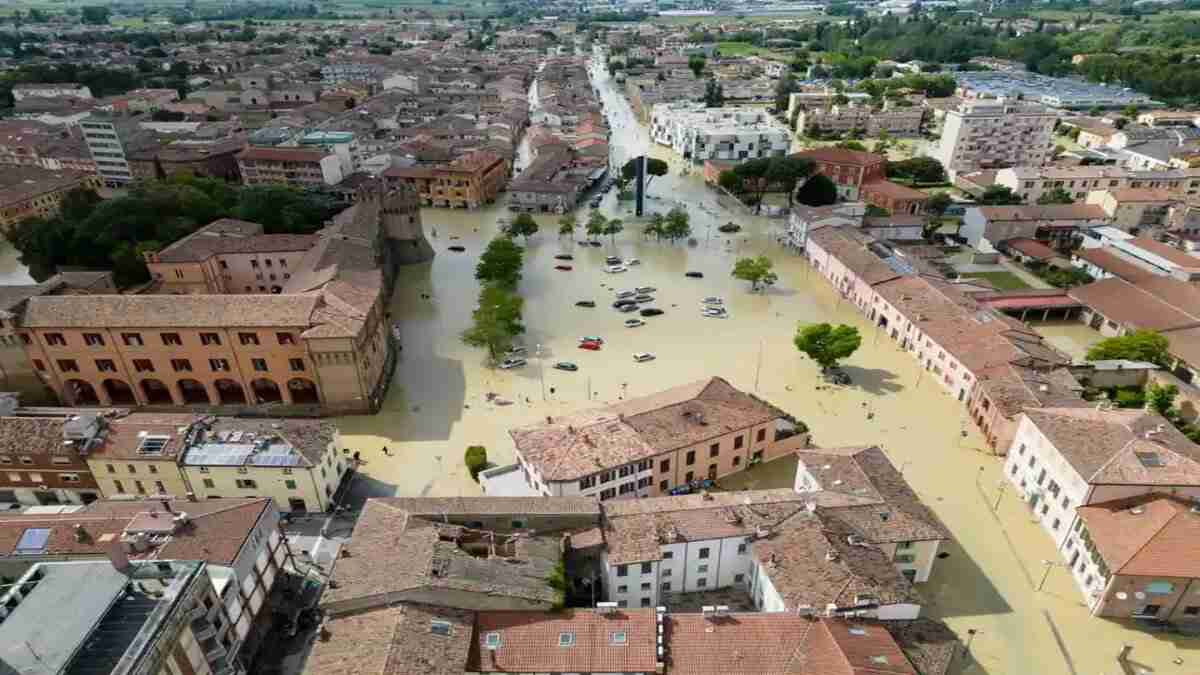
(497, 319)
(113, 234)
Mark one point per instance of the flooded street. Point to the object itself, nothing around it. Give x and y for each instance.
(437, 403)
(12, 272)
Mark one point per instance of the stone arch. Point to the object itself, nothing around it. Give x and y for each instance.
(156, 392)
(230, 392)
(119, 392)
(80, 392)
(266, 391)
(302, 390)
(193, 392)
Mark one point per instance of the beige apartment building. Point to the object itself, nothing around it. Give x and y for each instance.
(138, 454)
(229, 257)
(1031, 182)
(847, 118)
(298, 167)
(315, 342)
(651, 445)
(995, 133)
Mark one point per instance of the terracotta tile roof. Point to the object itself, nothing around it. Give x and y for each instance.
(530, 642)
(259, 154)
(217, 533)
(1103, 445)
(436, 506)
(836, 647)
(217, 238)
(898, 514)
(572, 447)
(835, 155)
(1152, 535)
(33, 436)
(1104, 259)
(178, 311)
(1133, 304)
(1048, 212)
(810, 561)
(122, 437)
(396, 640)
(1013, 388)
(850, 248)
(1032, 248)
(929, 645)
(395, 552)
(735, 644)
(1162, 250)
(1141, 195)
(894, 190)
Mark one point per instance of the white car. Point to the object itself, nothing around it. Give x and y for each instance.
(641, 357)
(712, 300)
(644, 289)
(509, 364)
(625, 294)
(634, 323)
(714, 314)
(633, 261)
(515, 351)
(616, 269)
(591, 338)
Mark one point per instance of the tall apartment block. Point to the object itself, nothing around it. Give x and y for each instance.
(995, 134)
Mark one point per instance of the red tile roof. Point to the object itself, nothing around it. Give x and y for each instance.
(533, 642)
(1032, 248)
(834, 155)
(1149, 535)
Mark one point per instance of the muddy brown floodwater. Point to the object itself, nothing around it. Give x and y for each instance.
(437, 403)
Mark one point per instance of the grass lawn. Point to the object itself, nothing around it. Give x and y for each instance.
(1003, 281)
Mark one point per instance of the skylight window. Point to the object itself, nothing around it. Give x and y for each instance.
(153, 445)
(1149, 459)
(33, 541)
(439, 627)
(857, 631)
(566, 639)
(879, 659)
(492, 640)
(620, 638)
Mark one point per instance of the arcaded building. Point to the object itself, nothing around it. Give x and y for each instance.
(239, 319)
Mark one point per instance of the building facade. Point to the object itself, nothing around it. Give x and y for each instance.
(697, 133)
(468, 182)
(28, 192)
(298, 167)
(840, 120)
(993, 134)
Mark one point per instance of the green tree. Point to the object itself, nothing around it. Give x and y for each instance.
(784, 90)
(95, 15)
(566, 225)
(917, 170)
(696, 64)
(1161, 399)
(827, 344)
(937, 204)
(657, 226)
(678, 225)
(1141, 345)
(852, 145)
(1056, 196)
(654, 167)
(523, 225)
(501, 263)
(476, 460)
(714, 94)
(999, 195)
(596, 223)
(755, 270)
(495, 322)
(818, 190)
(730, 181)
(614, 227)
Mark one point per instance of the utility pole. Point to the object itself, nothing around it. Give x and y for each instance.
(541, 370)
(758, 369)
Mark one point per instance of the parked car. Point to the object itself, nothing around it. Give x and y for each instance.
(625, 294)
(616, 269)
(633, 261)
(645, 289)
(595, 244)
(634, 323)
(643, 297)
(694, 275)
(567, 366)
(835, 375)
(592, 346)
(714, 314)
(564, 256)
(515, 351)
(651, 311)
(563, 268)
(712, 300)
(591, 338)
(729, 228)
(508, 364)
(618, 304)
(641, 357)
(585, 303)
(612, 260)
(625, 309)
(458, 249)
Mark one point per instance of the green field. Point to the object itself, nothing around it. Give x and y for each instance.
(1003, 281)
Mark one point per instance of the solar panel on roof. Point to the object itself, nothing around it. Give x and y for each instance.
(33, 541)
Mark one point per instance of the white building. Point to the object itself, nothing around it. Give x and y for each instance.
(104, 141)
(21, 92)
(995, 133)
(697, 133)
(1063, 458)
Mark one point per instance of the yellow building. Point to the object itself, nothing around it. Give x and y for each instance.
(139, 453)
(294, 461)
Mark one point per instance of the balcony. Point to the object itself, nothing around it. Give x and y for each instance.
(203, 629)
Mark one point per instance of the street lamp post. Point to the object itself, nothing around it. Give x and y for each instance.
(541, 370)
(1050, 564)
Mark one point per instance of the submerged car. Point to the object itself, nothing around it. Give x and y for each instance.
(634, 323)
(641, 357)
(712, 300)
(508, 364)
(627, 308)
(458, 249)
(563, 268)
(591, 338)
(564, 256)
(645, 289)
(694, 275)
(567, 366)
(585, 303)
(651, 311)
(591, 346)
(616, 269)
(642, 297)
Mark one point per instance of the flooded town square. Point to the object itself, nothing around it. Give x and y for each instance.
(439, 401)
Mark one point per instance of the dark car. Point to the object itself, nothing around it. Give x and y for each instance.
(835, 376)
(595, 244)
(567, 366)
(585, 303)
(564, 268)
(651, 311)
(694, 275)
(624, 302)
(458, 249)
(728, 228)
(564, 256)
